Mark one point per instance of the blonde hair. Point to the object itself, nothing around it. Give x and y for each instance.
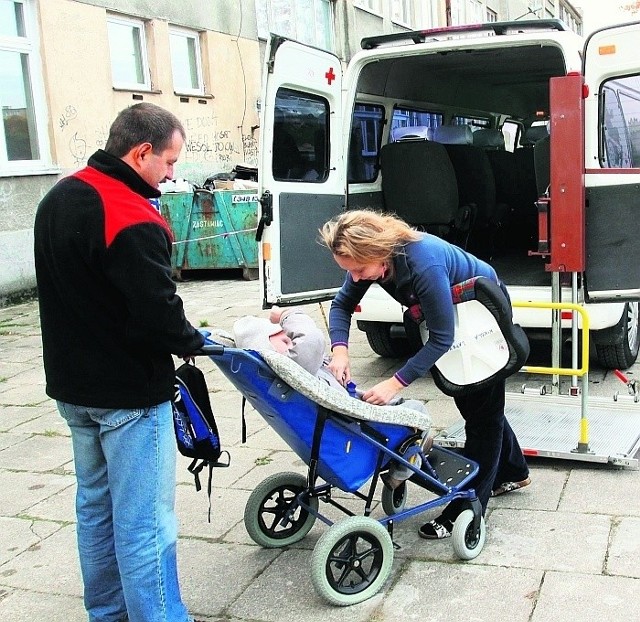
(366, 236)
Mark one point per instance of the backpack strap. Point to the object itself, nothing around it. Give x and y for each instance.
(195, 467)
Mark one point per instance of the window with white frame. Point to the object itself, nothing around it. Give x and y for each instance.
(186, 62)
(23, 128)
(127, 44)
(402, 12)
(467, 12)
(307, 21)
(374, 6)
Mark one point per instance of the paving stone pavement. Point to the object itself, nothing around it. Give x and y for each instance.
(565, 548)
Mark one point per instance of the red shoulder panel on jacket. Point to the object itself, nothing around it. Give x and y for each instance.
(122, 206)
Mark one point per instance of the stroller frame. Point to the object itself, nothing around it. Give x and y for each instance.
(348, 443)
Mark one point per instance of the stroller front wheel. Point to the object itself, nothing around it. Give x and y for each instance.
(351, 560)
(273, 517)
(468, 542)
(394, 501)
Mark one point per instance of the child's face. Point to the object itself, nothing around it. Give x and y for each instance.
(281, 342)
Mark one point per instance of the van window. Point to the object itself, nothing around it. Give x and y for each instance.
(412, 118)
(475, 123)
(364, 142)
(620, 123)
(300, 137)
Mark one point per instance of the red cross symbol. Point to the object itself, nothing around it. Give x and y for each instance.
(330, 76)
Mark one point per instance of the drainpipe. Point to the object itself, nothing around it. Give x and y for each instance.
(447, 11)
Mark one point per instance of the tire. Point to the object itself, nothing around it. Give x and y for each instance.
(394, 501)
(269, 503)
(351, 561)
(617, 347)
(466, 543)
(382, 343)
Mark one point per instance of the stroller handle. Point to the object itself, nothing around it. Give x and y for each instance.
(209, 350)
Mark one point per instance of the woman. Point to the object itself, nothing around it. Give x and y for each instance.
(419, 269)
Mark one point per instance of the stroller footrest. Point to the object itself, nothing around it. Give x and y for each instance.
(451, 468)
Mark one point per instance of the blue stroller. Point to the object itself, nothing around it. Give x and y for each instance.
(345, 443)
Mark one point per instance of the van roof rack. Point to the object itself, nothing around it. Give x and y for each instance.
(497, 28)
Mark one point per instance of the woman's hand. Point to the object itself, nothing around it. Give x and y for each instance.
(339, 365)
(383, 392)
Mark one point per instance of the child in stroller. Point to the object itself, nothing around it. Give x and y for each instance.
(294, 333)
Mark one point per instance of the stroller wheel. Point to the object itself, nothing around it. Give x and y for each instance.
(394, 501)
(272, 517)
(467, 542)
(351, 560)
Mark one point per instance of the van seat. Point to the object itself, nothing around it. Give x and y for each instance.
(525, 160)
(453, 135)
(532, 182)
(542, 164)
(533, 134)
(489, 139)
(516, 223)
(476, 185)
(419, 185)
(503, 164)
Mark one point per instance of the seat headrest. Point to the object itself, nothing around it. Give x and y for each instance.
(453, 135)
(416, 132)
(488, 139)
(533, 134)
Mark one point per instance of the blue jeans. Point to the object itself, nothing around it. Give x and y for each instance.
(125, 461)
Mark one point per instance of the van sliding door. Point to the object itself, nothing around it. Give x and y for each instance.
(302, 178)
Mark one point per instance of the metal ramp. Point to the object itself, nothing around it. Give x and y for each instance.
(549, 426)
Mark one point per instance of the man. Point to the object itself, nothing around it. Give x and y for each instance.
(110, 321)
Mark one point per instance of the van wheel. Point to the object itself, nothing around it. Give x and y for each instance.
(617, 347)
(382, 343)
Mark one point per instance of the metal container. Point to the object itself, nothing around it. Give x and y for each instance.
(213, 230)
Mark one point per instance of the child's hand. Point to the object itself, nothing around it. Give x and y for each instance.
(275, 315)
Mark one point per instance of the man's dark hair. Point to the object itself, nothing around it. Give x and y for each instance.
(142, 123)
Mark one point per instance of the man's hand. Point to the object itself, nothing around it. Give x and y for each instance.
(383, 392)
(339, 365)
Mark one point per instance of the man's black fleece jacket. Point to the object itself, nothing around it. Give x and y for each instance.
(110, 315)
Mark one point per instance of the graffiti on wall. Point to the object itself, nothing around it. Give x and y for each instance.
(78, 140)
(207, 143)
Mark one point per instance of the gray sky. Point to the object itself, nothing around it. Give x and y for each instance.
(600, 13)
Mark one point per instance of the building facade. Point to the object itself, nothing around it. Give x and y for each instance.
(67, 67)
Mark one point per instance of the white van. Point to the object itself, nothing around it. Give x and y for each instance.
(516, 140)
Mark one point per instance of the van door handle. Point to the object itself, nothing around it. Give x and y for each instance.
(266, 202)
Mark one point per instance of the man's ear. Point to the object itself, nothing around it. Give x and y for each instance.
(138, 154)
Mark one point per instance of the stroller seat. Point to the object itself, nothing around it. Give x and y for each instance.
(338, 401)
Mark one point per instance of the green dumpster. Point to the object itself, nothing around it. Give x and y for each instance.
(213, 230)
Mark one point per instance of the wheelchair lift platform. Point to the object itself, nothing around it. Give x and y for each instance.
(549, 426)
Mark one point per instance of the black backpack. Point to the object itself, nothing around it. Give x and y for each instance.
(195, 426)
